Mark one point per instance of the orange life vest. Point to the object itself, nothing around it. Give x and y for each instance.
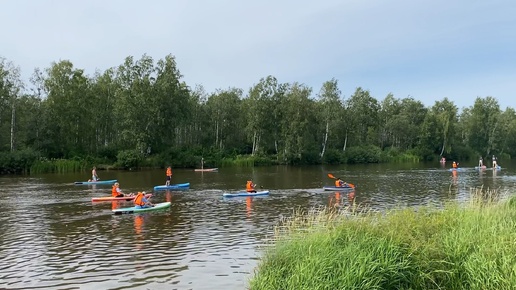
(169, 172)
(249, 186)
(114, 192)
(138, 200)
(454, 165)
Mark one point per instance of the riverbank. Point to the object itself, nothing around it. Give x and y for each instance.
(456, 246)
(31, 161)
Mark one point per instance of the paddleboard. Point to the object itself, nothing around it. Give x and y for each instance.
(206, 170)
(135, 209)
(173, 186)
(111, 198)
(336, 188)
(111, 181)
(245, 193)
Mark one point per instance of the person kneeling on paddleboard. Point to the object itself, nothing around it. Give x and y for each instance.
(340, 183)
(249, 187)
(140, 201)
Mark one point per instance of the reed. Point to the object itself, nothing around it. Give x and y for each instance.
(454, 246)
(57, 166)
(246, 161)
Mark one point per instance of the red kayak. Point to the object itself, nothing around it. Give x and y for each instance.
(110, 198)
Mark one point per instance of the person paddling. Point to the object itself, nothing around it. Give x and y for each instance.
(480, 162)
(340, 183)
(249, 187)
(455, 165)
(140, 201)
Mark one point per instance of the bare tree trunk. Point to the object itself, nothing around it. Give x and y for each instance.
(217, 133)
(254, 143)
(345, 141)
(13, 114)
(490, 140)
(325, 139)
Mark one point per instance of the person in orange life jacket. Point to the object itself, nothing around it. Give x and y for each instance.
(169, 176)
(340, 183)
(455, 164)
(249, 187)
(116, 191)
(140, 201)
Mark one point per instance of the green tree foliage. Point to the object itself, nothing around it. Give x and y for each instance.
(143, 113)
(482, 124)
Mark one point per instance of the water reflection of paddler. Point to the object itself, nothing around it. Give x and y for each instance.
(454, 177)
(351, 196)
(248, 204)
(138, 223)
(168, 195)
(138, 229)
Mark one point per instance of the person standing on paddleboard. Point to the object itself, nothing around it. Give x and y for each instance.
(94, 176)
(169, 176)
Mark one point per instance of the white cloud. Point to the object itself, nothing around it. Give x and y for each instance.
(423, 48)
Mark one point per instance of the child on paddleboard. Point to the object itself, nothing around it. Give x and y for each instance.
(249, 187)
(169, 176)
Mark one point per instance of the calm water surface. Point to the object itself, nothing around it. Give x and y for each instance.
(54, 237)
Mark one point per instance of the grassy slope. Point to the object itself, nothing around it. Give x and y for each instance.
(458, 247)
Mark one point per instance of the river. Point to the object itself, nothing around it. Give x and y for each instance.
(54, 237)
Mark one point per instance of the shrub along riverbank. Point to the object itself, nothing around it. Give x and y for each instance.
(30, 161)
(458, 246)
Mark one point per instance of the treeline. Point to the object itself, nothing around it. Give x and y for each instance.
(142, 113)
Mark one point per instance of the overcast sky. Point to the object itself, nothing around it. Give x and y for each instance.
(424, 49)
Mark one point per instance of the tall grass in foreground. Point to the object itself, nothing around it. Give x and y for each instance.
(460, 246)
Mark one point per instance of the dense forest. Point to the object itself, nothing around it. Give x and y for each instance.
(142, 113)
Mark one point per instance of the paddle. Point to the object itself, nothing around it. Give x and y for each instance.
(333, 177)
